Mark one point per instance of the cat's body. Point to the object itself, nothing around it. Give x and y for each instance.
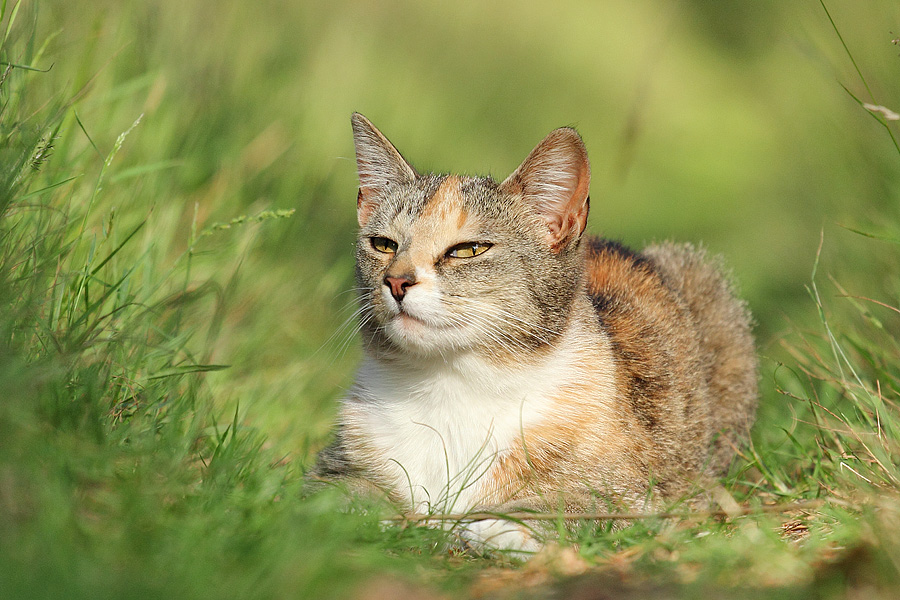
(512, 364)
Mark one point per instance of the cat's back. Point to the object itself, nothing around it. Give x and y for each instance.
(686, 368)
(723, 324)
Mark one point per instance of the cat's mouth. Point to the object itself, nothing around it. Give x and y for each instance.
(405, 319)
(415, 321)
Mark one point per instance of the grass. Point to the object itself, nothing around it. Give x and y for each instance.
(176, 223)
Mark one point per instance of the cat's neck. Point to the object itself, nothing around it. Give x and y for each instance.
(432, 426)
(575, 354)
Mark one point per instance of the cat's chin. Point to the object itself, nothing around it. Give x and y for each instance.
(409, 323)
(422, 337)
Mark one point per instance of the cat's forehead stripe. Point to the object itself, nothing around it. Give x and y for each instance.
(463, 217)
(446, 209)
(447, 197)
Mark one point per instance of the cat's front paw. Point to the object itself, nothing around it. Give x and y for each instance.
(498, 534)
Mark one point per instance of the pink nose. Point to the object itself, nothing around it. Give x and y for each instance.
(398, 286)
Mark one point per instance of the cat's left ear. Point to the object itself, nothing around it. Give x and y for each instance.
(555, 179)
(379, 165)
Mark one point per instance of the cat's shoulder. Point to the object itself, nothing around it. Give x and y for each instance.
(616, 274)
(662, 272)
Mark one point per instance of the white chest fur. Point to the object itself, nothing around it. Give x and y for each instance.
(436, 429)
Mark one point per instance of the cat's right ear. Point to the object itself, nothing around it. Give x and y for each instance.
(379, 165)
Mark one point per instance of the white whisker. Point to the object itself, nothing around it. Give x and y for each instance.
(340, 331)
(491, 317)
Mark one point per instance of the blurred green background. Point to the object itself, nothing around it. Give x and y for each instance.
(716, 122)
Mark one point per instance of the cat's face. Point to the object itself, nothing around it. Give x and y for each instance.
(448, 263)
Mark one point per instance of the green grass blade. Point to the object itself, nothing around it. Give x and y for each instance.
(86, 134)
(133, 172)
(50, 187)
(119, 247)
(874, 236)
(187, 370)
(26, 67)
(10, 23)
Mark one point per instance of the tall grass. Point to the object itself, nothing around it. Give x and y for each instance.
(118, 476)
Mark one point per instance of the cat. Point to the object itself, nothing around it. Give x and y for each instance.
(513, 362)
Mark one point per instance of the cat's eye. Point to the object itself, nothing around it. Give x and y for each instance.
(383, 244)
(468, 249)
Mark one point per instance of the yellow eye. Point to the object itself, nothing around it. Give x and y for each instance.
(383, 244)
(468, 249)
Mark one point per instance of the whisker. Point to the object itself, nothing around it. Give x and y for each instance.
(486, 328)
(490, 330)
(492, 318)
(349, 338)
(344, 332)
(341, 329)
(473, 303)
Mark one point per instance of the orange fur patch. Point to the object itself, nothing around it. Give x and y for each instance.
(447, 198)
(578, 450)
(441, 222)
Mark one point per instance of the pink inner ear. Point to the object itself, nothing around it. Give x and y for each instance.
(555, 179)
(572, 226)
(363, 208)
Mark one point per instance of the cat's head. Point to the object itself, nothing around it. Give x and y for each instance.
(450, 263)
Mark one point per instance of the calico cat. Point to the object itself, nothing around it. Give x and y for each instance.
(511, 362)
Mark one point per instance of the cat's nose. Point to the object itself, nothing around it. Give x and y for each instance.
(398, 286)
